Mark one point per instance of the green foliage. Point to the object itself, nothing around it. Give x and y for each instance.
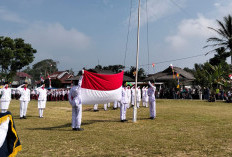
(15, 54)
(224, 31)
(207, 75)
(220, 57)
(131, 72)
(44, 67)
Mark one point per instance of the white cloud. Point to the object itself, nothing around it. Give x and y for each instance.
(190, 31)
(155, 10)
(55, 42)
(55, 37)
(9, 16)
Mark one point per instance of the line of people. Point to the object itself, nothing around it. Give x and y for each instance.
(25, 97)
(74, 97)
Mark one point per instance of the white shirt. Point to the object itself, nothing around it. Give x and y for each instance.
(6, 94)
(25, 94)
(42, 93)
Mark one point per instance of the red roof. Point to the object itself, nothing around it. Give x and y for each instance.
(61, 75)
(23, 74)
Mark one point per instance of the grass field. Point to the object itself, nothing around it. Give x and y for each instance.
(182, 128)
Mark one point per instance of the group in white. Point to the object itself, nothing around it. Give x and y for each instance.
(74, 97)
(24, 99)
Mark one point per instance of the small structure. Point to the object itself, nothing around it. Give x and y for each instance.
(170, 74)
(20, 78)
(58, 79)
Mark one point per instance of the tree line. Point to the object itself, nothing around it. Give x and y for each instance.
(15, 54)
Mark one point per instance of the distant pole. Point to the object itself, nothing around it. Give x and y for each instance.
(137, 64)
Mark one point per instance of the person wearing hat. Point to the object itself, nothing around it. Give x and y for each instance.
(24, 99)
(42, 99)
(152, 103)
(75, 100)
(6, 98)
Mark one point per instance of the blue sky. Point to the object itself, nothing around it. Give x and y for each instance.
(81, 33)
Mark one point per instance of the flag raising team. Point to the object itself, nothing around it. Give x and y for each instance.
(74, 97)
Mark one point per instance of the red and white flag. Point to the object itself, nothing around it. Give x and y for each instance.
(41, 79)
(101, 88)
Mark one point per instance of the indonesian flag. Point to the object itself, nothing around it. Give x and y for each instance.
(101, 88)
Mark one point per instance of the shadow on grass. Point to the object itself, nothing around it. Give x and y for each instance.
(18, 117)
(68, 125)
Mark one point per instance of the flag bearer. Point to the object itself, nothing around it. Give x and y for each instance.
(124, 104)
(75, 101)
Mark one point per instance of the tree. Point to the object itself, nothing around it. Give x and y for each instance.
(225, 35)
(114, 68)
(220, 57)
(15, 54)
(131, 72)
(44, 67)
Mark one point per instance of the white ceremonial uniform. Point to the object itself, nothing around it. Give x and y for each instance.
(152, 102)
(95, 107)
(75, 100)
(24, 100)
(42, 99)
(133, 96)
(105, 107)
(124, 103)
(115, 106)
(145, 96)
(128, 90)
(138, 96)
(5, 99)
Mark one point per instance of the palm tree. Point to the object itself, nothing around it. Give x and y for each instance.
(220, 57)
(225, 35)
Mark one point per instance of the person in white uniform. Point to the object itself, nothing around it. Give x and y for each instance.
(138, 96)
(6, 98)
(75, 100)
(105, 106)
(115, 106)
(24, 99)
(152, 103)
(42, 99)
(95, 108)
(133, 96)
(128, 96)
(145, 96)
(124, 104)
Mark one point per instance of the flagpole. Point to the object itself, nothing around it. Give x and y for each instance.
(137, 64)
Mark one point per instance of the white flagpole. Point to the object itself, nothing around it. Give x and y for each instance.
(137, 64)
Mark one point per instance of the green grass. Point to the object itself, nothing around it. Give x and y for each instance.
(182, 128)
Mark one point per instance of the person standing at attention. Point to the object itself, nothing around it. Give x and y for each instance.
(24, 99)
